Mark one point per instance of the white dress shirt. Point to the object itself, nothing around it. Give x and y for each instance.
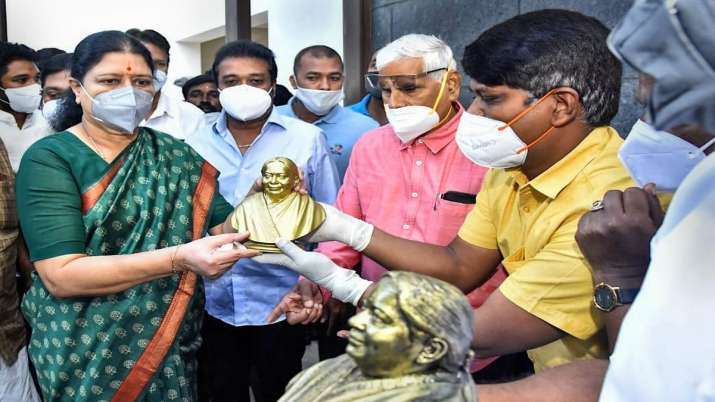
(17, 140)
(175, 117)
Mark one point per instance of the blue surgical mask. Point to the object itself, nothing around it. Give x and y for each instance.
(659, 157)
(121, 109)
(160, 78)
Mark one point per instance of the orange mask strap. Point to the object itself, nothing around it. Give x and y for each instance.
(522, 114)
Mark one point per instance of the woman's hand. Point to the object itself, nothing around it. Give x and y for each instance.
(212, 256)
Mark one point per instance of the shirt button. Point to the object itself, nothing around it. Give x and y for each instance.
(418, 163)
(414, 195)
(526, 209)
(420, 141)
(405, 226)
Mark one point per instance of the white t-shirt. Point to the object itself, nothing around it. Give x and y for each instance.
(18, 140)
(177, 118)
(666, 347)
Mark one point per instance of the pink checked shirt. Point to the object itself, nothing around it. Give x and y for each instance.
(397, 188)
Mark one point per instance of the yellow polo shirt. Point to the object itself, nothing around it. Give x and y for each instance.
(533, 224)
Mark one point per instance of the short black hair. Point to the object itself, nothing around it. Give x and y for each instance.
(47, 53)
(282, 95)
(55, 64)
(247, 49)
(198, 80)
(10, 52)
(319, 52)
(546, 49)
(150, 36)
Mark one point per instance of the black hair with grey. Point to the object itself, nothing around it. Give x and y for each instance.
(319, 52)
(547, 49)
(247, 49)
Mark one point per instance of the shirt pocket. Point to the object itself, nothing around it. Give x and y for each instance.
(514, 261)
(451, 215)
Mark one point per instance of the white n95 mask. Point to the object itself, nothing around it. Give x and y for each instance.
(659, 157)
(121, 109)
(244, 102)
(24, 99)
(492, 143)
(318, 101)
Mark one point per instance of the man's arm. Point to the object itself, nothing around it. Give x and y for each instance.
(579, 381)
(616, 242)
(460, 263)
(501, 327)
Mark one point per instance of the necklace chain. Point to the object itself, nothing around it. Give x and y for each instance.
(95, 147)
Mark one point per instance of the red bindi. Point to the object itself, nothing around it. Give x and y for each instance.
(129, 68)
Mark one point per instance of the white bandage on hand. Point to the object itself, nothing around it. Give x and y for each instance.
(339, 226)
(344, 284)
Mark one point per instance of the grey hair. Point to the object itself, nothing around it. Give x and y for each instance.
(434, 52)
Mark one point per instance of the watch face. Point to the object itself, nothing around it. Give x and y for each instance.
(604, 298)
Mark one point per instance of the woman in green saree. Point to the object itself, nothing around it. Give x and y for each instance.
(114, 217)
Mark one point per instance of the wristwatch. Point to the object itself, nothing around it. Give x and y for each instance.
(607, 297)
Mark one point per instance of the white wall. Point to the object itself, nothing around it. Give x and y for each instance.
(295, 24)
(292, 25)
(63, 23)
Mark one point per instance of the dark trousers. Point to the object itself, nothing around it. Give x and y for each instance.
(232, 359)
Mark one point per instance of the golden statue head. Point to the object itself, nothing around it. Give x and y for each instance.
(411, 324)
(279, 177)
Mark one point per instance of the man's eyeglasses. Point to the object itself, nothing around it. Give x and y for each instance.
(399, 81)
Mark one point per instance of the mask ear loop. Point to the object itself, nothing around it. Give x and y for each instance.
(522, 114)
(704, 147)
(442, 86)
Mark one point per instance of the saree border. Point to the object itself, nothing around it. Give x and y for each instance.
(94, 192)
(152, 357)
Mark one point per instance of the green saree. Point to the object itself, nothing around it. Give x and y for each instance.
(139, 344)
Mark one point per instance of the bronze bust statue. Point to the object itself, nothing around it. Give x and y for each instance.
(278, 211)
(411, 342)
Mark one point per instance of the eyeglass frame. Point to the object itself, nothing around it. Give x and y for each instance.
(370, 76)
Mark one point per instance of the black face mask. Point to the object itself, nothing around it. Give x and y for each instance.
(207, 107)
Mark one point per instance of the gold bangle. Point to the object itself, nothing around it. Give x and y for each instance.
(173, 260)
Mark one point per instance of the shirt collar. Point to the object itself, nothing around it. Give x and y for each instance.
(7, 118)
(32, 119)
(441, 137)
(330, 118)
(557, 177)
(275, 118)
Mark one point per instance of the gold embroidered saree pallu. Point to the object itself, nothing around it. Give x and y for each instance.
(139, 344)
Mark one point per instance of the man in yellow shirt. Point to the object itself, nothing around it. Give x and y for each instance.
(546, 89)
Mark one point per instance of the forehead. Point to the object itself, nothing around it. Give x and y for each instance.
(478, 87)
(20, 67)
(242, 66)
(406, 65)
(60, 77)
(326, 65)
(121, 63)
(206, 86)
(276, 167)
(385, 295)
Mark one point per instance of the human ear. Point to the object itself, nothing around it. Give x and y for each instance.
(76, 89)
(293, 82)
(434, 350)
(454, 85)
(568, 106)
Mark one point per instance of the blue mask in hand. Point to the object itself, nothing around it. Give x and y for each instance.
(659, 157)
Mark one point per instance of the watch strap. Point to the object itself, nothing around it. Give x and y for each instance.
(627, 296)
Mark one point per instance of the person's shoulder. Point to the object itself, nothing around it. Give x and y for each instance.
(359, 119)
(298, 127)
(53, 147)
(189, 109)
(606, 171)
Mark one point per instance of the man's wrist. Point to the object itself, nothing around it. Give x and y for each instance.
(626, 278)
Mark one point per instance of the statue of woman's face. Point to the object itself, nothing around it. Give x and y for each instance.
(381, 341)
(277, 181)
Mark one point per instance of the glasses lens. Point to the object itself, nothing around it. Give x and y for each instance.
(372, 80)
